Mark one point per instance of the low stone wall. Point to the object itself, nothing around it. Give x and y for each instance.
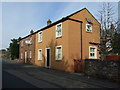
(103, 69)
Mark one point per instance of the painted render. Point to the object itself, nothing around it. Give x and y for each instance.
(70, 41)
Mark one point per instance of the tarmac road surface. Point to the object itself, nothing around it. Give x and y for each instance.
(18, 75)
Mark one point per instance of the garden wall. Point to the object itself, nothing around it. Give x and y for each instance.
(103, 69)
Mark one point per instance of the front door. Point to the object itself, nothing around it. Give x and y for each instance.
(48, 57)
(25, 57)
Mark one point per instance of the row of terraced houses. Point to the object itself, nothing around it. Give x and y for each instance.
(58, 44)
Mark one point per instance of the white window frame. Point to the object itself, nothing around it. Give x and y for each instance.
(31, 40)
(95, 53)
(21, 55)
(40, 40)
(39, 57)
(90, 28)
(57, 31)
(30, 54)
(56, 54)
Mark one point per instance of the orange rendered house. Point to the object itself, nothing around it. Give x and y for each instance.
(75, 37)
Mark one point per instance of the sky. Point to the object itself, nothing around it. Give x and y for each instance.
(119, 14)
(18, 18)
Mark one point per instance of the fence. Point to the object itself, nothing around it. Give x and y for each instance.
(113, 57)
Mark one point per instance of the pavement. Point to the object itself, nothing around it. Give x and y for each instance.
(32, 76)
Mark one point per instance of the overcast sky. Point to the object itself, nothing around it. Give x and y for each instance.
(18, 18)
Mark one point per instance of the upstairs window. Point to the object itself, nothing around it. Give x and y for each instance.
(58, 52)
(88, 28)
(31, 40)
(93, 52)
(40, 36)
(59, 30)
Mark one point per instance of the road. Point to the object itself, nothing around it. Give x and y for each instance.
(11, 81)
(18, 75)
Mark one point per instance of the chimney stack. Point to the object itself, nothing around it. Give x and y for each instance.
(31, 31)
(49, 22)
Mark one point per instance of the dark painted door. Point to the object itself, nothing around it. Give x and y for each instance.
(48, 57)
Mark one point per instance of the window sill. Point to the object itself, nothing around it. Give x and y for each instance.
(89, 31)
(39, 41)
(58, 37)
(59, 60)
(92, 58)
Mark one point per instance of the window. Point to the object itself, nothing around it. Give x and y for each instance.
(58, 52)
(39, 54)
(21, 55)
(59, 30)
(31, 40)
(30, 54)
(93, 52)
(40, 36)
(88, 28)
(28, 42)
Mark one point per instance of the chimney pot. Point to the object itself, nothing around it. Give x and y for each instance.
(49, 22)
(31, 31)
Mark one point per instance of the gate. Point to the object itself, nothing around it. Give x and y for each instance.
(78, 65)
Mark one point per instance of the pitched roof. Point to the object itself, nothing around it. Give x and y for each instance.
(56, 22)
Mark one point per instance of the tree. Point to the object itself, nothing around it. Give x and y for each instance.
(14, 48)
(116, 40)
(116, 44)
(107, 31)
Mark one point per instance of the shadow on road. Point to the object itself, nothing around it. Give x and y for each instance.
(11, 81)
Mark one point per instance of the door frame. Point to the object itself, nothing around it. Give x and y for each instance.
(25, 56)
(46, 57)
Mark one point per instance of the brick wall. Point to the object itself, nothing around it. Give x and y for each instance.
(27, 48)
(103, 69)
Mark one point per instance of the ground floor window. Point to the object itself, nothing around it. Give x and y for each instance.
(39, 54)
(92, 52)
(58, 52)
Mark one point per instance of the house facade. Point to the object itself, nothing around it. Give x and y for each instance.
(27, 49)
(3, 52)
(75, 37)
